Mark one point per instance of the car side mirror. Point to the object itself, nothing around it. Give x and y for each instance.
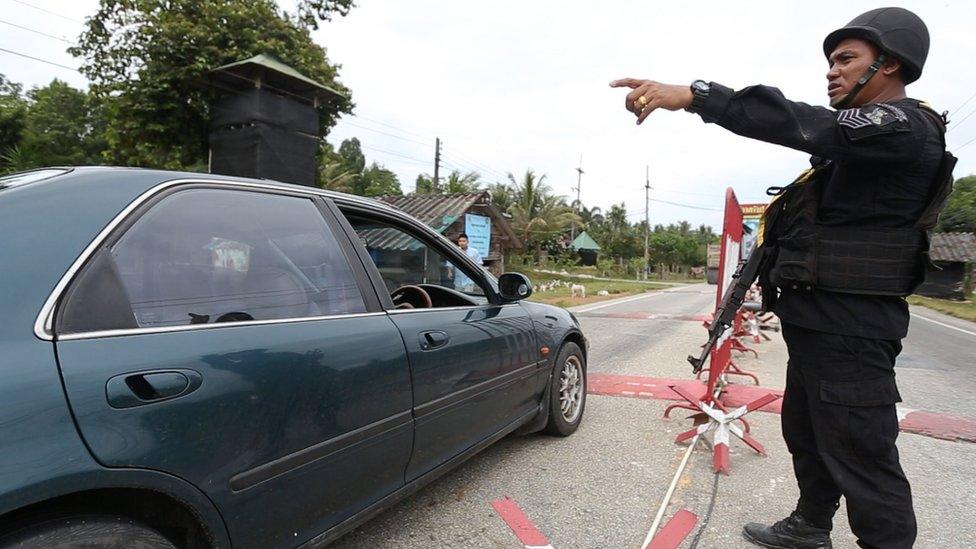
(514, 286)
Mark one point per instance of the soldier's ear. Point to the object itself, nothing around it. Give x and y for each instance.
(891, 66)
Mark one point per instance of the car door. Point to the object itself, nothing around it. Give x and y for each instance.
(223, 336)
(474, 364)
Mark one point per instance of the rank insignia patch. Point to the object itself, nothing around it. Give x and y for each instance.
(872, 120)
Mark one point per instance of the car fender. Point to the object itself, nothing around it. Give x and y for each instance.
(42, 455)
(97, 477)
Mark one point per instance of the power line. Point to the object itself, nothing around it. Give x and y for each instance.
(468, 166)
(483, 167)
(56, 14)
(39, 59)
(686, 205)
(386, 133)
(966, 143)
(415, 159)
(459, 157)
(690, 193)
(970, 98)
(391, 126)
(957, 124)
(28, 29)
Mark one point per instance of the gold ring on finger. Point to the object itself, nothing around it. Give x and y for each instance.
(642, 100)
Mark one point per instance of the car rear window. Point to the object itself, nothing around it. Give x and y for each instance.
(207, 256)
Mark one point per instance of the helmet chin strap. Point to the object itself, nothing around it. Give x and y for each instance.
(872, 70)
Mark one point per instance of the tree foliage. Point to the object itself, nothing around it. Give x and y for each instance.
(539, 217)
(379, 181)
(51, 125)
(960, 211)
(13, 116)
(64, 126)
(345, 171)
(144, 59)
(454, 183)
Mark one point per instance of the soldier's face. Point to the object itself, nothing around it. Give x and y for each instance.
(848, 62)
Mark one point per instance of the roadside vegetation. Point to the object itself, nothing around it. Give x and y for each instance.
(556, 288)
(960, 309)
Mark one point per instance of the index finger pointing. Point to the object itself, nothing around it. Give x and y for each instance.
(626, 83)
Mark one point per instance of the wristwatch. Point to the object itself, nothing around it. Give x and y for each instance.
(700, 89)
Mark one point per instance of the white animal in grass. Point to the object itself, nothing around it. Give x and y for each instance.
(603, 293)
(578, 290)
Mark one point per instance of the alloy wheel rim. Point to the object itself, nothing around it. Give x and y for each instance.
(571, 384)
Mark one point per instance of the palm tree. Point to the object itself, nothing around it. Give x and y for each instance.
(336, 177)
(588, 216)
(529, 191)
(502, 196)
(537, 214)
(458, 183)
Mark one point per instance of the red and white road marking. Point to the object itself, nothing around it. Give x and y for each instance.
(516, 519)
(675, 531)
(930, 424)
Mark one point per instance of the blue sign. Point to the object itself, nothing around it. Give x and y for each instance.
(478, 229)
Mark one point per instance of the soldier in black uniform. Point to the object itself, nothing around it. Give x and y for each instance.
(847, 246)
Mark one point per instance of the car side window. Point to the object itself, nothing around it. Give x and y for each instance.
(204, 256)
(403, 259)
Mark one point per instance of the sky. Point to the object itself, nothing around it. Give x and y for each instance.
(511, 85)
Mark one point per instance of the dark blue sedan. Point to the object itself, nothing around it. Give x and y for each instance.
(194, 360)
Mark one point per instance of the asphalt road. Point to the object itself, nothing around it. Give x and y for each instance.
(602, 486)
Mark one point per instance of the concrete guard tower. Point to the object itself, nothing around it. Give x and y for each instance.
(265, 124)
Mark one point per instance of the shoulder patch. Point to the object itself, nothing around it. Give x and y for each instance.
(873, 120)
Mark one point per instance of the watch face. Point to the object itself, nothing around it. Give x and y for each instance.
(700, 85)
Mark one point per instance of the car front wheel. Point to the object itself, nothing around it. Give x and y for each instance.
(89, 531)
(567, 392)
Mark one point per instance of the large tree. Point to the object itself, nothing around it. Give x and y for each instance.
(13, 118)
(379, 181)
(345, 171)
(539, 217)
(960, 211)
(143, 58)
(63, 127)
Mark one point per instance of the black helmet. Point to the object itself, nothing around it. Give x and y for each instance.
(896, 31)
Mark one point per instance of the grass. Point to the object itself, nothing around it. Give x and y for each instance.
(959, 309)
(562, 296)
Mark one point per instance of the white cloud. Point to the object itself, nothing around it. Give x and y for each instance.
(516, 84)
(511, 85)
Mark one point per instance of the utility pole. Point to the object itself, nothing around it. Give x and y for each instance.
(437, 163)
(647, 219)
(579, 180)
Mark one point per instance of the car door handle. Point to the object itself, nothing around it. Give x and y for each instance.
(139, 388)
(433, 340)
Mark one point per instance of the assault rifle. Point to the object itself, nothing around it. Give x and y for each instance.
(742, 279)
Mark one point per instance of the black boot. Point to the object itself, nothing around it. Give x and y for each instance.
(793, 532)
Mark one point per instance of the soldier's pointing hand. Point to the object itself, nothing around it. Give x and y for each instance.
(647, 96)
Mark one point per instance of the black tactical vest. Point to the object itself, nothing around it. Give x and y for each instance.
(859, 260)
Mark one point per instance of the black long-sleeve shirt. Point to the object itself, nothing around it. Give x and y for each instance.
(885, 158)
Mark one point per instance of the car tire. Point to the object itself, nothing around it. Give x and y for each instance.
(88, 531)
(567, 391)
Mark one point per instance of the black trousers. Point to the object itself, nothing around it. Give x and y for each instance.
(840, 425)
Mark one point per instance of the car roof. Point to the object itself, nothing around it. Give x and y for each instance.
(141, 180)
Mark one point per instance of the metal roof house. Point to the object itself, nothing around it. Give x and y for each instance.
(586, 247)
(471, 213)
(955, 255)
